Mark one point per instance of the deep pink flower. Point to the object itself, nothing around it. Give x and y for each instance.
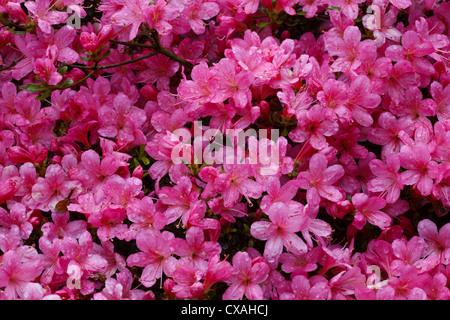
(280, 232)
(17, 215)
(231, 83)
(281, 194)
(305, 289)
(345, 48)
(407, 285)
(235, 182)
(155, 256)
(123, 121)
(411, 253)
(144, 214)
(16, 271)
(120, 289)
(368, 209)
(187, 282)
(420, 166)
(388, 180)
(216, 271)
(109, 223)
(344, 283)
(45, 69)
(158, 15)
(40, 10)
(122, 191)
(315, 126)
(319, 180)
(387, 134)
(413, 49)
(182, 200)
(349, 8)
(437, 243)
(198, 10)
(195, 250)
(48, 191)
(79, 257)
(247, 274)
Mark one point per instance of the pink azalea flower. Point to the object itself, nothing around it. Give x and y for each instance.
(198, 10)
(436, 289)
(155, 256)
(94, 173)
(382, 24)
(280, 232)
(235, 182)
(17, 215)
(413, 49)
(159, 69)
(420, 166)
(182, 200)
(346, 49)
(247, 274)
(120, 289)
(216, 271)
(122, 191)
(314, 126)
(51, 260)
(344, 283)
(368, 209)
(45, 69)
(60, 41)
(195, 250)
(441, 188)
(388, 180)
(131, 15)
(158, 15)
(411, 253)
(306, 289)
(17, 271)
(227, 213)
(441, 95)
(408, 285)
(109, 223)
(122, 121)
(349, 8)
(79, 257)
(437, 243)
(281, 194)
(48, 191)
(40, 10)
(400, 77)
(319, 180)
(387, 134)
(232, 84)
(144, 215)
(187, 282)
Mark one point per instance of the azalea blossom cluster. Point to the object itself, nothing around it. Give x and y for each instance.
(93, 204)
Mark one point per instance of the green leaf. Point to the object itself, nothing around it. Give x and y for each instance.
(44, 95)
(67, 83)
(145, 161)
(106, 55)
(34, 87)
(62, 71)
(334, 8)
(263, 24)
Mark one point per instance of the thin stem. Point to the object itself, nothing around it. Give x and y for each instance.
(12, 64)
(157, 46)
(115, 64)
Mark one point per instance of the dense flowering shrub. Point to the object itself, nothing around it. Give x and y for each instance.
(109, 110)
